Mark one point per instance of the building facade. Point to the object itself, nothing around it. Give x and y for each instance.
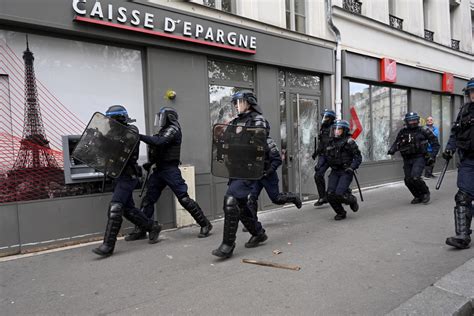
(89, 55)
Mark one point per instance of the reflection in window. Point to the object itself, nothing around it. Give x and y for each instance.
(436, 112)
(399, 109)
(381, 121)
(445, 128)
(220, 108)
(360, 100)
(229, 71)
(224, 5)
(299, 80)
(281, 78)
(381, 111)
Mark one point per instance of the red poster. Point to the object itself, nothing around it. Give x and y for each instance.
(388, 70)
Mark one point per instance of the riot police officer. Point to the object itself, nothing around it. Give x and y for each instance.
(412, 142)
(122, 203)
(236, 198)
(270, 181)
(164, 151)
(462, 140)
(344, 157)
(320, 144)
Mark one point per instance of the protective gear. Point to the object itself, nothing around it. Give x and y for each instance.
(119, 113)
(136, 234)
(254, 241)
(248, 96)
(468, 90)
(343, 153)
(462, 221)
(448, 154)
(166, 116)
(340, 129)
(334, 201)
(352, 201)
(231, 223)
(430, 161)
(391, 152)
(288, 197)
(112, 229)
(413, 142)
(412, 120)
(463, 131)
(164, 148)
(328, 117)
(319, 172)
(193, 208)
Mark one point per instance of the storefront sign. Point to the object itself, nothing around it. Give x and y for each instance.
(448, 82)
(355, 123)
(145, 22)
(388, 70)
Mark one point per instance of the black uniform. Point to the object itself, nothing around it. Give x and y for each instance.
(236, 199)
(462, 140)
(344, 157)
(270, 181)
(122, 204)
(164, 151)
(412, 142)
(322, 165)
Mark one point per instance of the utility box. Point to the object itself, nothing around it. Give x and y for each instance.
(183, 218)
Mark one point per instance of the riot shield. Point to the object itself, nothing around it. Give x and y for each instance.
(238, 152)
(106, 145)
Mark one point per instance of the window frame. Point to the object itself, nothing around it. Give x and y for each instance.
(294, 14)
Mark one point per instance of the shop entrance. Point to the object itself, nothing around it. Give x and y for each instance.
(300, 120)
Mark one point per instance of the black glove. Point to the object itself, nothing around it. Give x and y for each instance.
(314, 155)
(349, 170)
(147, 166)
(430, 161)
(448, 154)
(391, 152)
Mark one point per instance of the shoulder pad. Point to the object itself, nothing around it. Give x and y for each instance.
(350, 141)
(134, 128)
(260, 121)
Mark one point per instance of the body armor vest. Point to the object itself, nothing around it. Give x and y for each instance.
(464, 129)
(413, 142)
(169, 153)
(340, 154)
(323, 138)
(131, 168)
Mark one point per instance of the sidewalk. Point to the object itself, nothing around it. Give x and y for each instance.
(369, 264)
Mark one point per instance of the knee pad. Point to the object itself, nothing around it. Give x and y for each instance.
(230, 205)
(252, 201)
(115, 210)
(463, 199)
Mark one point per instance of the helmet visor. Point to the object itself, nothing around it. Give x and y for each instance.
(338, 131)
(160, 120)
(327, 118)
(469, 95)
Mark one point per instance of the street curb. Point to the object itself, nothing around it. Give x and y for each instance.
(453, 294)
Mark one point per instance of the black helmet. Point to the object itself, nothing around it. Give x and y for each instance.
(412, 119)
(118, 113)
(328, 116)
(340, 125)
(469, 89)
(166, 116)
(248, 96)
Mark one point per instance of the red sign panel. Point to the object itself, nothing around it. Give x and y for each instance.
(448, 82)
(355, 122)
(388, 70)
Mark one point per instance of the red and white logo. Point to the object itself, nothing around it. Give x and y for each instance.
(448, 82)
(388, 70)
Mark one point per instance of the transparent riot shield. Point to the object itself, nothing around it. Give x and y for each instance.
(238, 152)
(106, 145)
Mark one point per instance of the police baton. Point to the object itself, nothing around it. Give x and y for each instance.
(146, 181)
(358, 186)
(441, 177)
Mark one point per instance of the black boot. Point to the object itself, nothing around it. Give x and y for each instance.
(410, 184)
(416, 200)
(462, 224)
(138, 218)
(288, 197)
(231, 224)
(321, 201)
(193, 208)
(112, 229)
(136, 234)
(425, 198)
(352, 201)
(224, 251)
(154, 233)
(205, 230)
(335, 202)
(254, 241)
